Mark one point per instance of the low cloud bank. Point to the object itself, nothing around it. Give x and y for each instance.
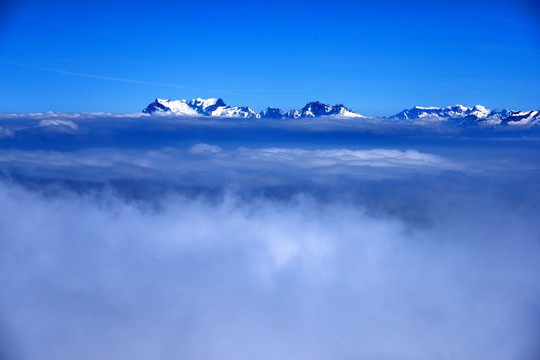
(103, 124)
(240, 157)
(89, 275)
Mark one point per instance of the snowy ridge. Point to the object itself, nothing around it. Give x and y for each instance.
(456, 111)
(471, 116)
(217, 107)
(316, 109)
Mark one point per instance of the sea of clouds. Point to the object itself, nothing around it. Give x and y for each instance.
(142, 237)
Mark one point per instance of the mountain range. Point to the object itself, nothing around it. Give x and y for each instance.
(459, 114)
(217, 107)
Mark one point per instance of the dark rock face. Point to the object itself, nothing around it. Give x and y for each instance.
(272, 113)
(154, 106)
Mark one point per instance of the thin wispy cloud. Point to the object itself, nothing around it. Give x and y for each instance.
(225, 166)
(131, 81)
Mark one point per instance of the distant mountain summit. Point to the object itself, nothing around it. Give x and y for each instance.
(217, 107)
(471, 116)
(456, 111)
(272, 113)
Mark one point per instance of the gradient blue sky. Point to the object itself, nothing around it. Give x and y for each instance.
(375, 57)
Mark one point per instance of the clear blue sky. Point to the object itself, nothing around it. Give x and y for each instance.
(375, 57)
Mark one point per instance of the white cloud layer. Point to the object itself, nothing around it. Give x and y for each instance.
(91, 277)
(157, 237)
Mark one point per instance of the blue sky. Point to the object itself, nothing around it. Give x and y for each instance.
(375, 57)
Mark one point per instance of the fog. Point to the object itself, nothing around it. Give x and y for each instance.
(308, 245)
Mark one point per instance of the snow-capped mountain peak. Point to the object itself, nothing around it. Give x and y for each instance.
(198, 107)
